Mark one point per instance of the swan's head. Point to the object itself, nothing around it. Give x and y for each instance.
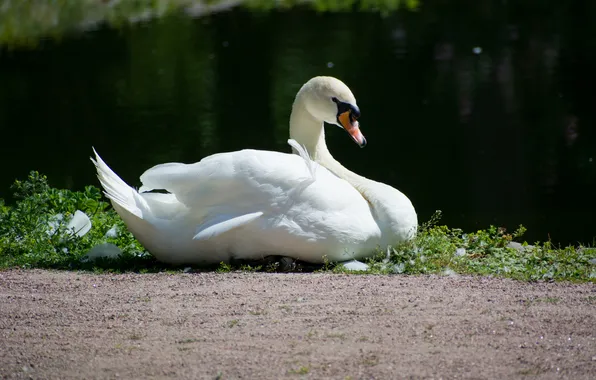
(328, 99)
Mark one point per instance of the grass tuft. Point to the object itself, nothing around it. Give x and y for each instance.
(33, 231)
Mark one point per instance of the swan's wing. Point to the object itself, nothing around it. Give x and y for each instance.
(163, 206)
(238, 178)
(223, 223)
(228, 190)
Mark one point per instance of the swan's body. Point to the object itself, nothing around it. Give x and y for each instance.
(251, 204)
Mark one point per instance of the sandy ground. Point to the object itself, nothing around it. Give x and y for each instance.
(271, 326)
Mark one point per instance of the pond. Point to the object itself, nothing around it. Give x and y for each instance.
(483, 111)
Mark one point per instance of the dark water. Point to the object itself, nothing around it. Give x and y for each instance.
(485, 112)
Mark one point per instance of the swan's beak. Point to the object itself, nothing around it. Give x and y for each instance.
(352, 127)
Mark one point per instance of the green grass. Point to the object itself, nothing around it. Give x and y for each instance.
(449, 251)
(27, 241)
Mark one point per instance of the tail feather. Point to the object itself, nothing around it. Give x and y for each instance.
(117, 190)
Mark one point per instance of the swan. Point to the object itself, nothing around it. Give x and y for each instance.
(250, 204)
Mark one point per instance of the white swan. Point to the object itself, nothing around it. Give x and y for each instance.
(250, 204)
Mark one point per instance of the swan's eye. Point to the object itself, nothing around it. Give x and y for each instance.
(342, 107)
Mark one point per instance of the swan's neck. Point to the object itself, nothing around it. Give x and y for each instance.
(393, 210)
(307, 130)
(310, 132)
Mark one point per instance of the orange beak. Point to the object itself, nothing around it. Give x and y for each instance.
(352, 127)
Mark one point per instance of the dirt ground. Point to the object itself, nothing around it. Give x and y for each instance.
(71, 325)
